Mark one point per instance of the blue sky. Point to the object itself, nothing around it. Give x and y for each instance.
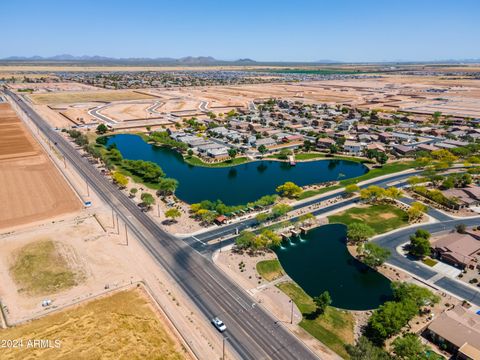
(264, 30)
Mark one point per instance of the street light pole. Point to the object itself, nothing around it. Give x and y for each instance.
(223, 347)
(291, 313)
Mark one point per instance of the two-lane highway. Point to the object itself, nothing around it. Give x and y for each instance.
(252, 332)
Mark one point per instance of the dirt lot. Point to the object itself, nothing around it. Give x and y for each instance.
(53, 87)
(87, 96)
(125, 324)
(32, 188)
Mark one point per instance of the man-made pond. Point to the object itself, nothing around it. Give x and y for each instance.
(233, 185)
(320, 261)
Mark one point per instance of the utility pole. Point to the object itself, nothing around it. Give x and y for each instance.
(64, 162)
(126, 233)
(223, 347)
(113, 219)
(118, 225)
(158, 205)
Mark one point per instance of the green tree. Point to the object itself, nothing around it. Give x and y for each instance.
(284, 154)
(359, 232)
(366, 350)
(421, 296)
(133, 191)
(232, 153)
(208, 217)
(173, 213)
(147, 199)
(333, 149)
(409, 347)
(120, 179)
(374, 255)
(351, 189)
(416, 211)
(245, 239)
(280, 210)
(381, 157)
(289, 189)
(262, 149)
(393, 193)
(321, 302)
(190, 152)
(389, 319)
(102, 129)
(372, 194)
(461, 228)
(167, 186)
(262, 217)
(306, 217)
(270, 238)
(420, 244)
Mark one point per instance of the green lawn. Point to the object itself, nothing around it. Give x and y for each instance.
(193, 160)
(381, 218)
(318, 155)
(334, 328)
(384, 170)
(429, 262)
(309, 193)
(270, 269)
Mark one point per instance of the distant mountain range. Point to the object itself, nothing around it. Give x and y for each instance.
(189, 60)
(203, 60)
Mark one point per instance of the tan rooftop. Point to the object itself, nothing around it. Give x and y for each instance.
(459, 327)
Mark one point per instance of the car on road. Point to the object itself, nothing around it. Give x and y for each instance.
(219, 324)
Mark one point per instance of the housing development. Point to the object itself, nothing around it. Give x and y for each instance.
(195, 208)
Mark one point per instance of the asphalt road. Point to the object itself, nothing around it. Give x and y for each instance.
(393, 241)
(252, 332)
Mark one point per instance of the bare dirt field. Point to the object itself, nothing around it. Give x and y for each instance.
(32, 188)
(125, 111)
(87, 96)
(53, 87)
(123, 325)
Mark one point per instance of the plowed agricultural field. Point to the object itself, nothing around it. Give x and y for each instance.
(31, 188)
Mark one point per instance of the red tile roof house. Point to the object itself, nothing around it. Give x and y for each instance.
(460, 250)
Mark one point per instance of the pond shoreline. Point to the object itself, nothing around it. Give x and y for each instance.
(236, 184)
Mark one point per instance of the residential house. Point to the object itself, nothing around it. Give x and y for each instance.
(459, 331)
(352, 147)
(460, 250)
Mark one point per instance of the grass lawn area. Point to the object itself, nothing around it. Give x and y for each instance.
(381, 218)
(334, 328)
(270, 269)
(384, 170)
(120, 326)
(429, 262)
(309, 193)
(193, 160)
(39, 268)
